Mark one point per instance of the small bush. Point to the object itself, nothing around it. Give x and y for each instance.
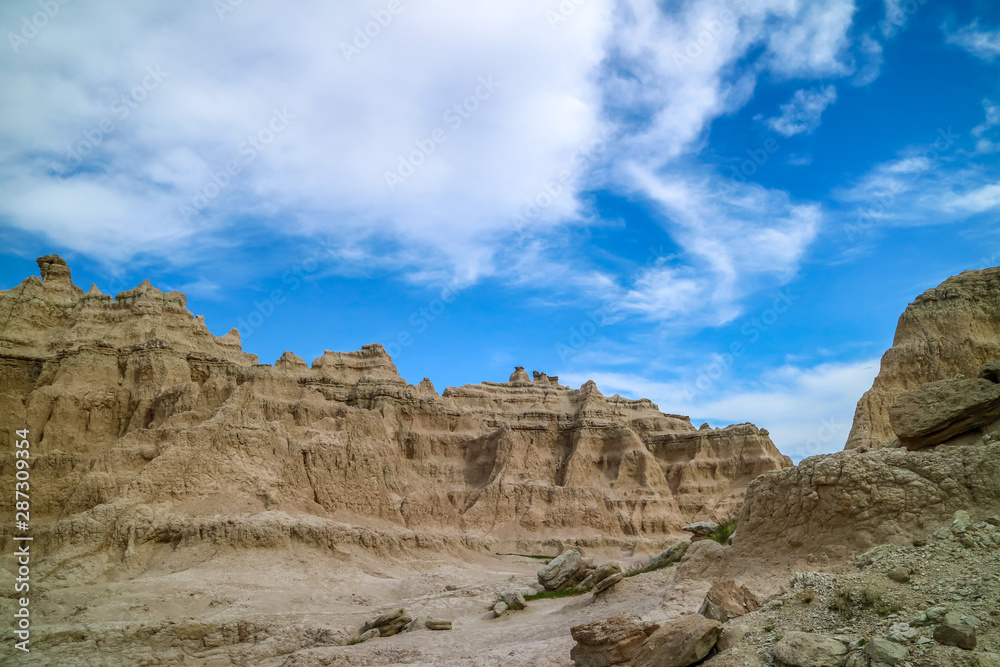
(724, 531)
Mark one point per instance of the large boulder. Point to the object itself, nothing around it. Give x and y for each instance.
(956, 634)
(668, 556)
(608, 582)
(805, 649)
(388, 624)
(599, 575)
(884, 652)
(561, 570)
(681, 642)
(938, 411)
(726, 601)
(614, 641)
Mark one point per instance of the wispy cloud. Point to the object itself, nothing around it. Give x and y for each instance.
(871, 68)
(983, 43)
(807, 409)
(803, 112)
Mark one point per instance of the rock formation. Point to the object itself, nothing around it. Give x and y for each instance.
(148, 429)
(947, 331)
(924, 445)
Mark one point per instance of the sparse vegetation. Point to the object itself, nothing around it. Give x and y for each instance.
(562, 593)
(724, 531)
(642, 569)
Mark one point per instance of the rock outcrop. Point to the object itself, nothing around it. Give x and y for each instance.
(680, 642)
(936, 412)
(611, 642)
(949, 330)
(147, 429)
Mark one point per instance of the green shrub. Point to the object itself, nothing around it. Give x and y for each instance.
(561, 593)
(724, 531)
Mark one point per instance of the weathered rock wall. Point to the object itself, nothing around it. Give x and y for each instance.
(949, 330)
(140, 417)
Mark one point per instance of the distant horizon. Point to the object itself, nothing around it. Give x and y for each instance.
(718, 205)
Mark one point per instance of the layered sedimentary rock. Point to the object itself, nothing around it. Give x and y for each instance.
(947, 331)
(146, 427)
(925, 444)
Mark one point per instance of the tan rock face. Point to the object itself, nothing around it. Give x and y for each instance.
(681, 642)
(611, 642)
(146, 427)
(949, 330)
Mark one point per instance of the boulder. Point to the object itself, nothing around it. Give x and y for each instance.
(389, 623)
(668, 556)
(938, 411)
(805, 649)
(499, 609)
(884, 651)
(560, 571)
(679, 643)
(368, 634)
(899, 574)
(600, 574)
(608, 582)
(726, 601)
(956, 634)
(901, 633)
(614, 641)
(731, 635)
(701, 529)
(514, 600)
(437, 624)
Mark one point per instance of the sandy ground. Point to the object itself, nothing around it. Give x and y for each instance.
(292, 604)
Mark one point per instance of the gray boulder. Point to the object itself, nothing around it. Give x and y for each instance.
(804, 649)
(560, 571)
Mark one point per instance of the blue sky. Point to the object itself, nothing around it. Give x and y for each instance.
(721, 205)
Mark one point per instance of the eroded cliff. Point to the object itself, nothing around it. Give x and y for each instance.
(146, 428)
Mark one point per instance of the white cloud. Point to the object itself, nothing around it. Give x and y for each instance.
(985, 145)
(808, 410)
(351, 122)
(895, 18)
(352, 117)
(802, 113)
(982, 43)
(740, 235)
(871, 50)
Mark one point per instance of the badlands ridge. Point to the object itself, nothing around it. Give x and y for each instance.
(193, 506)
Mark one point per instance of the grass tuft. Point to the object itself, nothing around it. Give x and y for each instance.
(724, 531)
(561, 593)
